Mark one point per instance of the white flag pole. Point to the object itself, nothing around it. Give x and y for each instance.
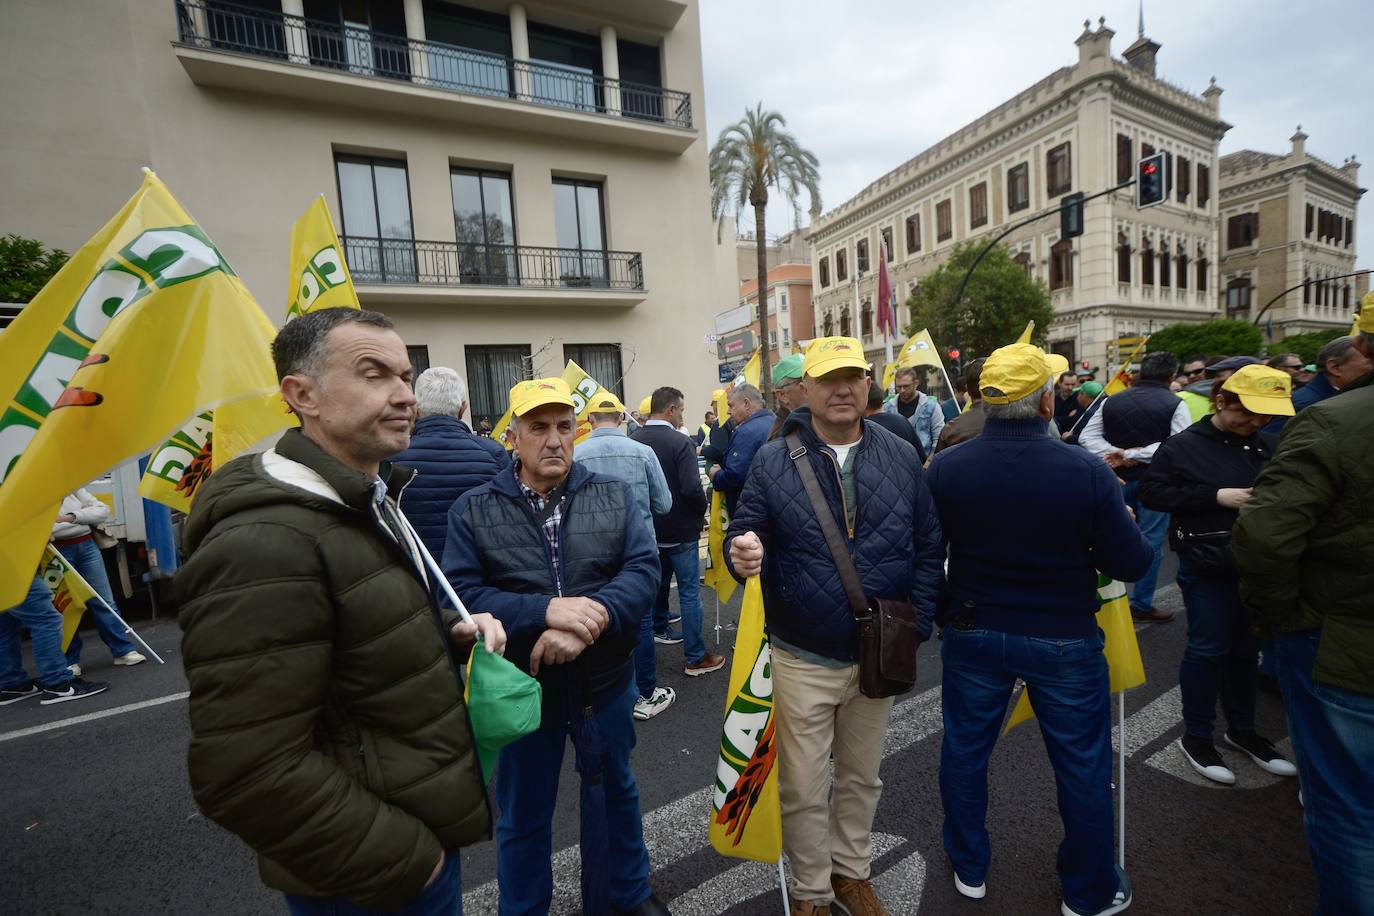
(1121, 779)
(782, 883)
(128, 630)
(434, 568)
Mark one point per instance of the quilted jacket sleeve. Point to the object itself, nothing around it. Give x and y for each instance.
(257, 653)
(928, 556)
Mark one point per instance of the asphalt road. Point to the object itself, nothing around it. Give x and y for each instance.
(98, 816)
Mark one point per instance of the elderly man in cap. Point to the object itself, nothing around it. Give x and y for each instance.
(1022, 604)
(566, 560)
(752, 422)
(1302, 549)
(1339, 364)
(787, 376)
(875, 493)
(1089, 395)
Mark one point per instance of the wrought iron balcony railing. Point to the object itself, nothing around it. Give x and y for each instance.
(214, 25)
(408, 261)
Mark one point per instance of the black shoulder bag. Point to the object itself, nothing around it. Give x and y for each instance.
(887, 626)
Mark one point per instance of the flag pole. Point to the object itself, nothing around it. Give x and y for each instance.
(434, 568)
(782, 883)
(128, 630)
(1121, 778)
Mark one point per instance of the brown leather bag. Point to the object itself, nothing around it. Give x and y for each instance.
(887, 626)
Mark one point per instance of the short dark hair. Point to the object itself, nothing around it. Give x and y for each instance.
(1159, 366)
(973, 374)
(875, 397)
(1228, 397)
(1277, 361)
(1338, 348)
(299, 346)
(663, 398)
(1196, 358)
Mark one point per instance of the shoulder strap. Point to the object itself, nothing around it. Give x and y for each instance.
(839, 551)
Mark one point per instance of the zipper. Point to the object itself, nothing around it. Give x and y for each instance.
(839, 482)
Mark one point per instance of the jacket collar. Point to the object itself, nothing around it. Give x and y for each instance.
(1145, 383)
(437, 422)
(604, 431)
(800, 421)
(355, 489)
(763, 414)
(1031, 428)
(1363, 381)
(507, 483)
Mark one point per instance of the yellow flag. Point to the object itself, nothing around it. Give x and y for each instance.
(720, 399)
(1025, 337)
(749, 375)
(717, 575)
(1355, 326)
(919, 350)
(746, 818)
(1124, 666)
(583, 388)
(70, 592)
(319, 277)
(1120, 381)
(146, 326)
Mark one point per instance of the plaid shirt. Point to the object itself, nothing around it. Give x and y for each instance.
(551, 526)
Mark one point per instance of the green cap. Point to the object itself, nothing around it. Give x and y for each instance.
(1091, 389)
(788, 367)
(503, 704)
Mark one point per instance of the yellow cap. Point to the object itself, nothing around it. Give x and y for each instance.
(826, 354)
(528, 395)
(1058, 364)
(1016, 370)
(1262, 390)
(1365, 320)
(644, 405)
(605, 402)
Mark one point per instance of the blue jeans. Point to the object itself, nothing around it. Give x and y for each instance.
(646, 659)
(44, 623)
(86, 560)
(526, 788)
(1067, 680)
(684, 562)
(1220, 659)
(442, 898)
(1333, 745)
(1154, 525)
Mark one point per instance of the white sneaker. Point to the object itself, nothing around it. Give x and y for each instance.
(1202, 756)
(75, 670)
(1262, 752)
(1120, 901)
(648, 707)
(130, 658)
(971, 891)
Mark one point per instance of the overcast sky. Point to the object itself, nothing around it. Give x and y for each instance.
(867, 85)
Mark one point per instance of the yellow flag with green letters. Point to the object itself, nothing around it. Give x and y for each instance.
(70, 592)
(145, 327)
(717, 576)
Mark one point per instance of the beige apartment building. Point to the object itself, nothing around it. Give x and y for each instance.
(1287, 230)
(499, 172)
(1080, 129)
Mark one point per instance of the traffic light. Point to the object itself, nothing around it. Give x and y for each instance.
(953, 354)
(1071, 216)
(1151, 181)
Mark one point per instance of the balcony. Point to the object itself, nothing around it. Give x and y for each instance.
(405, 270)
(228, 46)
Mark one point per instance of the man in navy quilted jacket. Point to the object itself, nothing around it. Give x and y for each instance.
(875, 491)
(449, 458)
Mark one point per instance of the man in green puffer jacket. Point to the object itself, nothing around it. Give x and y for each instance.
(1303, 548)
(328, 725)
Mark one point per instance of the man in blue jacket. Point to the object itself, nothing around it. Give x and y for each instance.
(448, 458)
(564, 559)
(1021, 602)
(752, 423)
(874, 488)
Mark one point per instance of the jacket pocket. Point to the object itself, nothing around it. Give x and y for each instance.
(372, 774)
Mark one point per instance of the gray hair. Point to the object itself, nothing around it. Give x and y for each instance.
(299, 347)
(1020, 409)
(748, 392)
(441, 392)
(1339, 349)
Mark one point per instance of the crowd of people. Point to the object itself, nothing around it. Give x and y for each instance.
(328, 714)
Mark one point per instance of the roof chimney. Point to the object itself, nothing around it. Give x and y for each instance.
(1095, 45)
(1299, 140)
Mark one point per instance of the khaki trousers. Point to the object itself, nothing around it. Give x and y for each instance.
(821, 712)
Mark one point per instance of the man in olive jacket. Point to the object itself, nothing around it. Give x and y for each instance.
(1304, 547)
(328, 728)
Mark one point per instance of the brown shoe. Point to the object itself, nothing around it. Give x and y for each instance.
(707, 664)
(1152, 614)
(810, 908)
(856, 897)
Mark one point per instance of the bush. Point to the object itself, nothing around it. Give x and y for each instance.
(1306, 345)
(1224, 337)
(25, 266)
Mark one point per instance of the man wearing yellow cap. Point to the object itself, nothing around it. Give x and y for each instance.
(564, 558)
(1303, 549)
(874, 490)
(1020, 602)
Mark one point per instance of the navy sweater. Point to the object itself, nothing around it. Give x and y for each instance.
(1028, 522)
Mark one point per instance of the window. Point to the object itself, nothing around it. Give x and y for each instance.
(1307, 287)
(1018, 187)
(1182, 260)
(978, 205)
(844, 323)
(829, 329)
(861, 256)
(1310, 212)
(1201, 270)
(866, 318)
(1337, 227)
(772, 338)
(1184, 185)
(1123, 258)
(1238, 298)
(602, 362)
(1024, 260)
(782, 300)
(1345, 290)
(1204, 186)
(944, 223)
(913, 233)
(825, 272)
(419, 361)
(1241, 230)
(1061, 264)
(492, 372)
(1147, 263)
(1164, 265)
(1058, 170)
(374, 198)
(484, 225)
(1125, 165)
(786, 337)
(579, 227)
(1349, 232)
(841, 267)
(1146, 150)
(887, 243)
(474, 30)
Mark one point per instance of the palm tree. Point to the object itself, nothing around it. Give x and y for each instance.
(748, 158)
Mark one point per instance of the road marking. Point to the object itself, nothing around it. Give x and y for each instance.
(91, 717)
(1169, 759)
(1150, 721)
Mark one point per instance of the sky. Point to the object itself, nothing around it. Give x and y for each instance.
(867, 85)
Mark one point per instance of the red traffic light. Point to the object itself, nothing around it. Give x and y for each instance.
(953, 354)
(1148, 168)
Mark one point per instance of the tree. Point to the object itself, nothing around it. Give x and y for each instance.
(1223, 337)
(999, 300)
(1307, 345)
(25, 266)
(749, 158)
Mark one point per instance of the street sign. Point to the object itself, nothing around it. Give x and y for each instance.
(740, 343)
(731, 369)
